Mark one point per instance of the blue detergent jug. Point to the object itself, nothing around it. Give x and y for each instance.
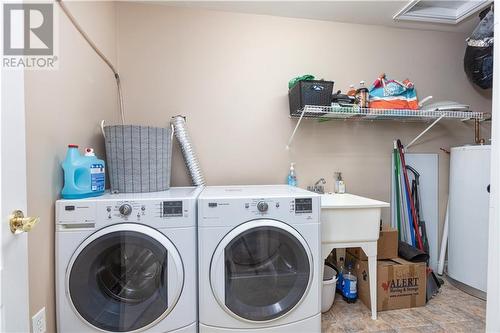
(83, 175)
(349, 286)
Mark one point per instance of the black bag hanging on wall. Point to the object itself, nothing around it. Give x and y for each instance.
(478, 59)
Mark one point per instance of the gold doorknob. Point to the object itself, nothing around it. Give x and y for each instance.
(18, 223)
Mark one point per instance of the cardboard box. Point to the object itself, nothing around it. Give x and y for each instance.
(400, 284)
(387, 245)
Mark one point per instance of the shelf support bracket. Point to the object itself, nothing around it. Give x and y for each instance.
(295, 129)
(477, 133)
(423, 132)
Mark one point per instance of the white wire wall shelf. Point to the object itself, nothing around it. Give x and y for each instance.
(324, 113)
(356, 113)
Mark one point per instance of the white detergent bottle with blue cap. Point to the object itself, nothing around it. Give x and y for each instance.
(292, 177)
(84, 176)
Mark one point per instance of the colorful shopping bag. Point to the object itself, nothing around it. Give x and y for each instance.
(393, 94)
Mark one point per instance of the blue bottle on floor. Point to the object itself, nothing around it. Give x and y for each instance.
(340, 278)
(349, 286)
(84, 176)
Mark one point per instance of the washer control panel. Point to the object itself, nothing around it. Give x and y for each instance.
(125, 209)
(172, 208)
(122, 211)
(303, 206)
(262, 206)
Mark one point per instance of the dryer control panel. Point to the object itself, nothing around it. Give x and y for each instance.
(264, 206)
(292, 210)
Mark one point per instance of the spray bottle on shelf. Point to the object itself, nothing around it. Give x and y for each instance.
(292, 177)
(350, 288)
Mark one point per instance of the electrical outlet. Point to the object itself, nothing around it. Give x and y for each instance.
(38, 322)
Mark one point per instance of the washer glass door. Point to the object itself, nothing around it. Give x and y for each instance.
(124, 278)
(267, 270)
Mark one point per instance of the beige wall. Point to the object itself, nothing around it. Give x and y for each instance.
(64, 106)
(228, 74)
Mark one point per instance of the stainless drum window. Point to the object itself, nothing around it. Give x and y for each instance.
(266, 273)
(119, 281)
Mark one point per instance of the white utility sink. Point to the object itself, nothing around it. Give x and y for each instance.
(350, 218)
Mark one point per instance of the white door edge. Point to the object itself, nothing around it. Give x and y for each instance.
(493, 290)
(14, 280)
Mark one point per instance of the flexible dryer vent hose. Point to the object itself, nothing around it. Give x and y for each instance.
(180, 131)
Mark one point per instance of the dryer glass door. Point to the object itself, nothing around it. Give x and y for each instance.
(124, 278)
(267, 270)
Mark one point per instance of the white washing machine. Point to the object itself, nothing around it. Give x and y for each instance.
(259, 259)
(127, 263)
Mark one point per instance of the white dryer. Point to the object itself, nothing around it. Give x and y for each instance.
(259, 259)
(127, 263)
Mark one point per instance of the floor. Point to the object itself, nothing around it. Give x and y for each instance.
(450, 311)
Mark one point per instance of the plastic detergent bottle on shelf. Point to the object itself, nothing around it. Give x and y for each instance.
(362, 95)
(292, 177)
(352, 90)
(84, 176)
(350, 286)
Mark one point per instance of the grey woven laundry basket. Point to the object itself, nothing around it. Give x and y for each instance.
(139, 158)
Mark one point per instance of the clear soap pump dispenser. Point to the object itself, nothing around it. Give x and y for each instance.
(339, 183)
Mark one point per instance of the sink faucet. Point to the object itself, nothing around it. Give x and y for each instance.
(318, 187)
(320, 181)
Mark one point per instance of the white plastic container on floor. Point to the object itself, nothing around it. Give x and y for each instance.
(328, 288)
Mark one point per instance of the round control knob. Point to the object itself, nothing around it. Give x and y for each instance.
(125, 209)
(262, 206)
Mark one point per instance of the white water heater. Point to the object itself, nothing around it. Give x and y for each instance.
(468, 218)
